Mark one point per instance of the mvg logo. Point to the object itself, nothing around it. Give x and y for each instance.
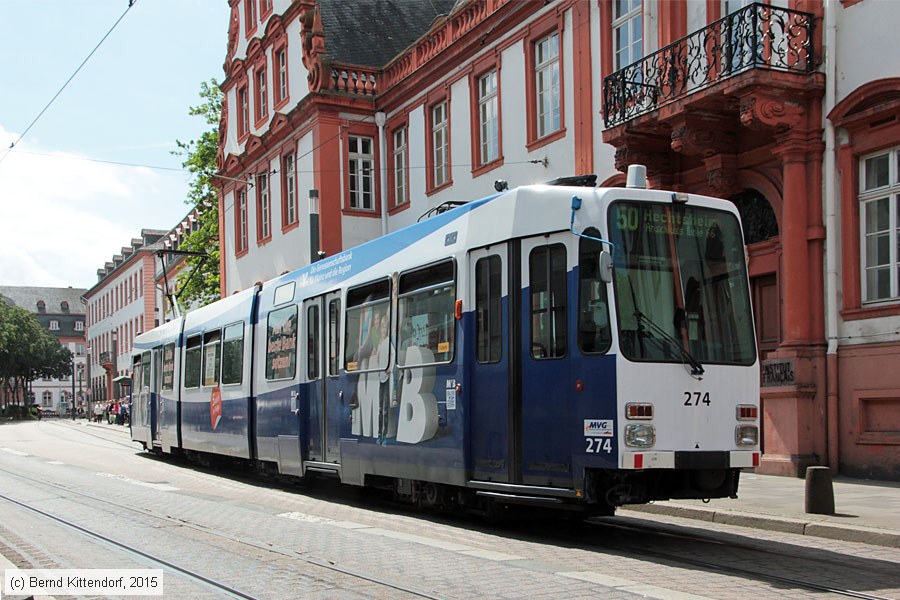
(599, 427)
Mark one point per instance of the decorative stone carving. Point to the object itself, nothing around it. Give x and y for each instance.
(312, 38)
(759, 111)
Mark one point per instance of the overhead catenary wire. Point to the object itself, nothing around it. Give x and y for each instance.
(68, 81)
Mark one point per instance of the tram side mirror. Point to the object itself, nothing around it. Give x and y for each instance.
(605, 267)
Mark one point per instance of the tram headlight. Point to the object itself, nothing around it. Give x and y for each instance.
(746, 435)
(640, 435)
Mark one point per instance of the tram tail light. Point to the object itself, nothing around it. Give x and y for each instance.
(746, 435)
(638, 411)
(747, 412)
(640, 435)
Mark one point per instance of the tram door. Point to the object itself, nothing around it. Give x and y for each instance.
(156, 399)
(493, 440)
(546, 386)
(322, 339)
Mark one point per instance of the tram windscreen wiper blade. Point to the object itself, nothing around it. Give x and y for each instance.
(696, 367)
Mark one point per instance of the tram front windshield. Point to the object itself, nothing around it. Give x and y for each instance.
(680, 284)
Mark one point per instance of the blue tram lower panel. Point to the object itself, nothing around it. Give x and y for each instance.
(216, 427)
(280, 433)
(420, 436)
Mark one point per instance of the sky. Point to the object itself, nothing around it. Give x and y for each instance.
(65, 207)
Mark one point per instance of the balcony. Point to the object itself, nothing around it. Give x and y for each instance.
(757, 37)
(105, 358)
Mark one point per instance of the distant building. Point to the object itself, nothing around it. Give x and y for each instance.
(61, 313)
(129, 298)
(345, 120)
(120, 306)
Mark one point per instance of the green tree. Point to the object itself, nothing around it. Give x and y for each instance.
(200, 159)
(27, 352)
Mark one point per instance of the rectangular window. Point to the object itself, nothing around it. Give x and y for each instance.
(362, 172)
(233, 354)
(281, 343)
(546, 67)
(192, 361)
(54, 325)
(400, 162)
(79, 325)
(313, 342)
(168, 367)
(440, 143)
(281, 62)
(627, 28)
(427, 319)
(594, 335)
(367, 324)
(212, 357)
(145, 370)
(334, 337)
(547, 272)
(243, 112)
(488, 118)
(262, 95)
(263, 210)
(488, 309)
(250, 17)
(290, 190)
(879, 200)
(241, 234)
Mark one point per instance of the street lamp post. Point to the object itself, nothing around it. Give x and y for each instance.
(115, 362)
(73, 387)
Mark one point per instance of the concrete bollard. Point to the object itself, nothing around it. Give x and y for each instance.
(819, 491)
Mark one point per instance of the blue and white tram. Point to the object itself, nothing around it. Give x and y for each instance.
(563, 346)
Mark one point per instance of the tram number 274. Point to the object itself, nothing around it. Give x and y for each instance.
(596, 445)
(696, 398)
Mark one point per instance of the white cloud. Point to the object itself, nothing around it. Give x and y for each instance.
(62, 218)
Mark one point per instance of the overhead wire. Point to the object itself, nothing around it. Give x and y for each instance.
(68, 81)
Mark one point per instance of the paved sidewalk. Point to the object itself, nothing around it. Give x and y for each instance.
(865, 511)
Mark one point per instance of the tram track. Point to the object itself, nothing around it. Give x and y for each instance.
(189, 573)
(630, 529)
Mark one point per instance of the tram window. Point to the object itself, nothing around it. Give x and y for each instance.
(281, 346)
(334, 336)
(426, 311)
(192, 362)
(594, 336)
(547, 272)
(312, 342)
(488, 291)
(168, 367)
(212, 357)
(367, 324)
(136, 369)
(145, 371)
(233, 354)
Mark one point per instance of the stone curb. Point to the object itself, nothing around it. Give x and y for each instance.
(847, 533)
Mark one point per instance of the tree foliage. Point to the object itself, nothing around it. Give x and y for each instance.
(200, 159)
(27, 352)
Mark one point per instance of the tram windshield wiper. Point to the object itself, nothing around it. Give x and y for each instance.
(696, 368)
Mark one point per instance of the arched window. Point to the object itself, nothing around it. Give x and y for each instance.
(41, 306)
(64, 306)
(757, 217)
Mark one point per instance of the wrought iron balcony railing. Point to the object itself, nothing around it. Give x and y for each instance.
(758, 36)
(105, 358)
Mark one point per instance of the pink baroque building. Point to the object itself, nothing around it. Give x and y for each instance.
(119, 306)
(345, 120)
